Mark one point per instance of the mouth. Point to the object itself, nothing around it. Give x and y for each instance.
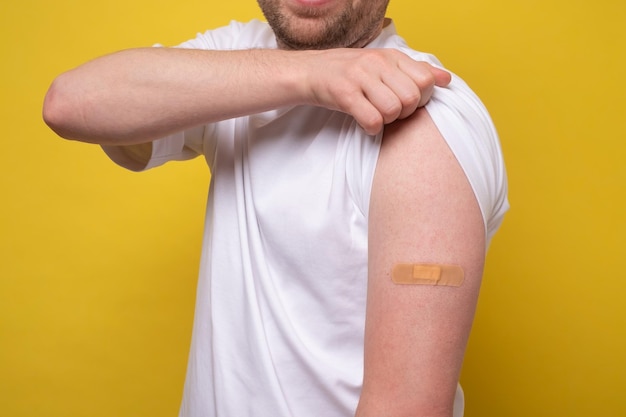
(313, 3)
(310, 8)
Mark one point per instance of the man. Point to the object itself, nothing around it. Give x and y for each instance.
(327, 173)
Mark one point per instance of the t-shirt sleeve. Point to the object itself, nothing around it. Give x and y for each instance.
(180, 146)
(189, 143)
(201, 140)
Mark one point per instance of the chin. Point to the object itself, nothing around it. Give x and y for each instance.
(311, 34)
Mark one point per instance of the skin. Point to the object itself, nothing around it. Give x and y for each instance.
(323, 24)
(422, 207)
(136, 96)
(422, 210)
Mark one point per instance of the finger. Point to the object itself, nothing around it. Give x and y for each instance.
(366, 115)
(442, 77)
(425, 74)
(384, 99)
(426, 77)
(427, 93)
(406, 90)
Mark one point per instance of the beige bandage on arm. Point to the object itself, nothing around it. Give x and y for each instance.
(428, 274)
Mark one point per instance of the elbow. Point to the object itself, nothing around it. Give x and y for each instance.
(60, 109)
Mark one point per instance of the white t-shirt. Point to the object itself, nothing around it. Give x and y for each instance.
(280, 308)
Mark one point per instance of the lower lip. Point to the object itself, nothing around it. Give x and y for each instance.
(312, 3)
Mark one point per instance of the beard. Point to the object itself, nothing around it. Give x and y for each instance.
(350, 27)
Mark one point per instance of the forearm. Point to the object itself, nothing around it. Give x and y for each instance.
(138, 95)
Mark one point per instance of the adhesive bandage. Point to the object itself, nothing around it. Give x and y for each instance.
(428, 274)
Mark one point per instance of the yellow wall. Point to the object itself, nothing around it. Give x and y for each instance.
(98, 265)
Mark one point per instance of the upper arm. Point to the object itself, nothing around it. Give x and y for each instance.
(422, 210)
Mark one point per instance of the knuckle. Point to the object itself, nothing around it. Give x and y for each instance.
(347, 100)
(377, 58)
(372, 123)
(410, 97)
(426, 79)
(391, 110)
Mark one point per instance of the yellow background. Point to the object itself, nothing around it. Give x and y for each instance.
(98, 265)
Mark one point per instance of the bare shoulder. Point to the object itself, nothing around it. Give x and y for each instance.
(420, 186)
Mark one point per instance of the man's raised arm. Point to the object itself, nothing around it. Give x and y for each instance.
(138, 95)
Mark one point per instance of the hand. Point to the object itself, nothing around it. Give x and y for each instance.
(375, 86)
